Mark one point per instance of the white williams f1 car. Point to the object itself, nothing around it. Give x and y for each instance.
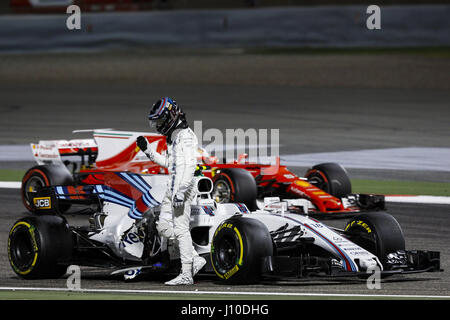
(241, 246)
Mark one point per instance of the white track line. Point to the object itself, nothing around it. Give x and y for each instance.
(411, 158)
(418, 199)
(10, 184)
(197, 292)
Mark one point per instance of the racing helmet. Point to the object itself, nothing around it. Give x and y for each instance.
(165, 115)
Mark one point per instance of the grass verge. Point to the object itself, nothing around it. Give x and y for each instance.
(401, 187)
(11, 174)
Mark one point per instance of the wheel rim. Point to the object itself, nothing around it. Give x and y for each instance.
(227, 253)
(222, 192)
(34, 183)
(21, 249)
(317, 179)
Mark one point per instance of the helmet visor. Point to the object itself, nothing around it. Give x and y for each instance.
(155, 123)
(159, 123)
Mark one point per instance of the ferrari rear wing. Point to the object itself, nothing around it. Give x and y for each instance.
(52, 151)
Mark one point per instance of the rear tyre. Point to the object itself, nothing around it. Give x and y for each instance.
(45, 176)
(40, 247)
(331, 178)
(238, 248)
(377, 232)
(235, 185)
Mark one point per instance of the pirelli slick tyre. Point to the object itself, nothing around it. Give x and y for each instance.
(331, 178)
(377, 232)
(45, 176)
(235, 185)
(238, 248)
(40, 247)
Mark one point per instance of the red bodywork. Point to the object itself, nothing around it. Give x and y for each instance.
(275, 178)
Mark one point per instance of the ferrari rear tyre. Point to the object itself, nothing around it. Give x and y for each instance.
(45, 176)
(331, 178)
(238, 248)
(235, 185)
(40, 247)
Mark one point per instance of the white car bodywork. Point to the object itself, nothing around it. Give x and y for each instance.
(120, 236)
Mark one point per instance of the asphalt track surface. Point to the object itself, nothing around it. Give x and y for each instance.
(424, 226)
(320, 104)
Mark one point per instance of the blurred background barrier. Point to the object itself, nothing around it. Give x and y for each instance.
(47, 6)
(294, 26)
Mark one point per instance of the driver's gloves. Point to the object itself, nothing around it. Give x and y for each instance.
(178, 200)
(141, 143)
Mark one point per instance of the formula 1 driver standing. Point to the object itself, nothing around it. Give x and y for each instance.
(174, 218)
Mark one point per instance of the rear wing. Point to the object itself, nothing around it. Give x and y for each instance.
(108, 148)
(52, 151)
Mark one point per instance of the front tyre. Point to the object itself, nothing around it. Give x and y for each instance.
(238, 248)
(331, 178)
(377, 232)
(40, 247)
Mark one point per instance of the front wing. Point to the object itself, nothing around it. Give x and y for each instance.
(401, 262)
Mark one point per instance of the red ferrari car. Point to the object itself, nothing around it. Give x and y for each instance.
(75, 163)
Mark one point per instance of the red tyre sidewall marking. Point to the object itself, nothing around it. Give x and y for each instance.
(233, 191)
(24, 180)
(319, 172)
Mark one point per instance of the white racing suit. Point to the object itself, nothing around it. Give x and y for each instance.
(181, 164)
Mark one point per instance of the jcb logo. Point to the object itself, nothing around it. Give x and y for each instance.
(42, 203)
